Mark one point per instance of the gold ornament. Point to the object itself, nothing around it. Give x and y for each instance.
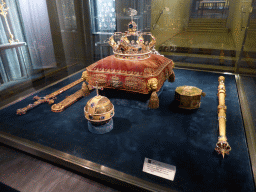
(59, 107)
(154, 100)
(222, 146)
(188, 97)
(99, 109)
(134, 84)
(115, 82)
(152, 84)
(85, 76)
(130, 45)
(48, 98)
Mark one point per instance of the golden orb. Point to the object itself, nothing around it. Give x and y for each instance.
(99, 110)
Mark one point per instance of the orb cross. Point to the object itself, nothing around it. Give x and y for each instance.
(97, 88)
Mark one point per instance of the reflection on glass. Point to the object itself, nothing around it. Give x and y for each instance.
(15, 64)
(209, 8)
(68, 13)
(104, 15)
(248, 57)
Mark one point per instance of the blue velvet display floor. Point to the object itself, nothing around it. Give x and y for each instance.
(183, 138)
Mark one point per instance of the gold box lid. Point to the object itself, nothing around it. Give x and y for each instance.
(189, 91)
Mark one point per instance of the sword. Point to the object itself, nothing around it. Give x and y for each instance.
(48, 98)
(84, 91)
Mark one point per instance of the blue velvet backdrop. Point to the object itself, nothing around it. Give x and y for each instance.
(184, 138)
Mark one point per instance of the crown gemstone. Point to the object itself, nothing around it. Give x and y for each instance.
(130, 44)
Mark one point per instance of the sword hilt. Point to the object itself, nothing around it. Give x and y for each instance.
(38, 101)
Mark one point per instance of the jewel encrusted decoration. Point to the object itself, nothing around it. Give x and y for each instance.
(222, 146)
(132, 44)
(48, 98)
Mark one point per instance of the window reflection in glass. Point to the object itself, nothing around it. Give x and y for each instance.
(103, 15)
(68, 13)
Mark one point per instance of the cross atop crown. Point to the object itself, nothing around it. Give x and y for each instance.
(97, 88)
(132, 13)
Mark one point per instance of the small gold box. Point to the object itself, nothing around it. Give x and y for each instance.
(188, 97)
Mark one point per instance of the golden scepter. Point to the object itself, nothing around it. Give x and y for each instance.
(222, 146)
(3, 11)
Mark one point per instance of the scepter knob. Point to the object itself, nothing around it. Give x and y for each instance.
(221, 79)
(222, 147)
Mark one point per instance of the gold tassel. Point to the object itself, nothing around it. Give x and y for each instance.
(153, 101)
(85, 89)
(171, 77)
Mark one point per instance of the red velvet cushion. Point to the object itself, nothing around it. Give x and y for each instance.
(130, 75)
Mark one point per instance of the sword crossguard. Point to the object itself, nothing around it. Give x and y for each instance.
(45, 99)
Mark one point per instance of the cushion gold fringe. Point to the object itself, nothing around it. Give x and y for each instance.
(153, 101)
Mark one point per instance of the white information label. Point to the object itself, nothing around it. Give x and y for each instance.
(159, 169)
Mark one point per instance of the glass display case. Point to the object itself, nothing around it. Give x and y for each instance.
(47, 46)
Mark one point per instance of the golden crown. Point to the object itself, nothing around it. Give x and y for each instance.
(132, 44)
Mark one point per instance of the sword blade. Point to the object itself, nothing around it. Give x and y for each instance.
(48, 98)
